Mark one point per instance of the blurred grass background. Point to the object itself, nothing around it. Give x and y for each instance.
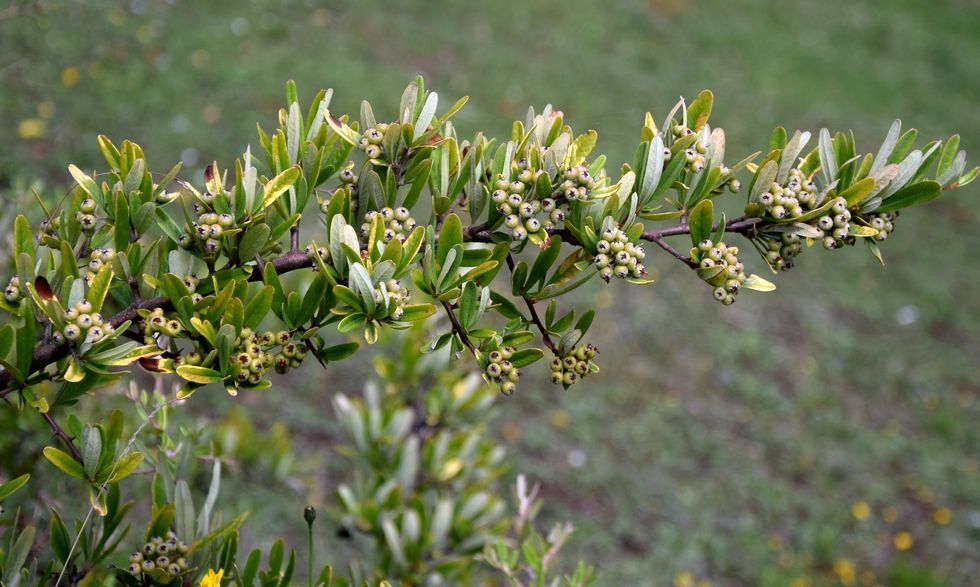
(823, 434)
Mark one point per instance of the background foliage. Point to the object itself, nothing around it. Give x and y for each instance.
(743, 451)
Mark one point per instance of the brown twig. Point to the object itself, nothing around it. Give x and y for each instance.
(67, 440)
(676, 254)
(458, 328)
(49, 353)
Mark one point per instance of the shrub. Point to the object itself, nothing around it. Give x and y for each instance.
(214, 284)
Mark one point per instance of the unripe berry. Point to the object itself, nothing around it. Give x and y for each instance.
(87, 206)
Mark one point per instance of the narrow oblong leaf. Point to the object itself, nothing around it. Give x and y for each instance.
(63, 461)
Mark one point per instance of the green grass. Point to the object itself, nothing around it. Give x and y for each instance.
(714, 435)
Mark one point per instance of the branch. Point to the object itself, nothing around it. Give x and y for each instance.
(740, 225)
(49, 353)
(545, 337)
(295, 259)
(458, 328)
(677, 254)
(63, 436)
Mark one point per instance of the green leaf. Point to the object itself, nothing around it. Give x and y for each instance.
(525, 357)
(258, 307)
(99, 287)
(758, 284)
(167, 225)
(199, 375)
(26, 340)
(279, 184)
(777, 140)
(86, 183)
(23, 241)
(858, 191)
(63, 461)
(911, 195)
(183, 509)
(13, 485)
(161, 522)
(701, 221)
(91, 451)
(415, 312)
(6, 339)
(109, 151)
(60, 543)
(450, 236)
(253, 241)
(338, 352)
(15, 559)
(125, 467)
(699, 110)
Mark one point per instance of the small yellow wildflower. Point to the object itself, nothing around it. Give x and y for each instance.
(212, 579)
(684, 579)
(942, 516)
(844, 571)
(560, 418)
(861, 510)
(70, 76)
(903, 541)
(31, 128)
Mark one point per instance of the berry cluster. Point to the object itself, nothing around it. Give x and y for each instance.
(520, 216)
(782, 251)
(693, 154)
(155, 323)
(729, 280)
(98, 258)
(792, 199)
(576, 184)
(616, 256)
(575, 365)
(12, 292)
(836, 225)
(161, 559)
(208, 230)
(883, 222)
(86, 216)
(397, 222)
(254, 354)
(371, 140)
(347, 180)
(398, 297)
(83, 324)
(502, 371)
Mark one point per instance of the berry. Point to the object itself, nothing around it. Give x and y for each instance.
(87, 206)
